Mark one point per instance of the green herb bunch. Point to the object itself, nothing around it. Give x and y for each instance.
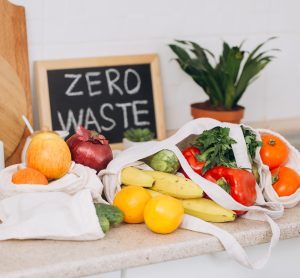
(225, 81)
(139, 134)
(215, 146)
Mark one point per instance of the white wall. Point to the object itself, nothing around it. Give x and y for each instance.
(78, 28)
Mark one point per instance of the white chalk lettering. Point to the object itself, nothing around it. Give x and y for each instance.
(111, 81)
(137, 87)
(137, 112)
(90, 119)
(76, 77)
(125, 114)
(70, 120)
(91, 83)
(103, 116)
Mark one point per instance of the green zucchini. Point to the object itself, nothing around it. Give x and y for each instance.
(104, 223)
(113, 214)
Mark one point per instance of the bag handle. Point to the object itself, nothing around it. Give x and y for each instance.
(239, 149)
(230, 244)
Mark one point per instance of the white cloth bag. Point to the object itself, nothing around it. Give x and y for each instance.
(292, 162)
(78, 178)
(49, 215)
(61, 210)
(263, 211)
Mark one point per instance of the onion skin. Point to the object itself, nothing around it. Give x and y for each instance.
(90, 149)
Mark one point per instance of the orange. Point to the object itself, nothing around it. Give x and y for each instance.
(163, 214)
(29, 176)
(131, 200)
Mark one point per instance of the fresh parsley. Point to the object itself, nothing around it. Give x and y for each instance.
(215, 146)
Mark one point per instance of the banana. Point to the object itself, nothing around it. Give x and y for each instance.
(208, 210)
(175, 186)
(134, 176)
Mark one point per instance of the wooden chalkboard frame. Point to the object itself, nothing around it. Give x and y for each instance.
(41, 81)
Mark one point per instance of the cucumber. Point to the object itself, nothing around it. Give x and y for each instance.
(104, 223)
(113, 214)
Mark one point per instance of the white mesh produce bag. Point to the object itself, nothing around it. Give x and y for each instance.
(262, 211)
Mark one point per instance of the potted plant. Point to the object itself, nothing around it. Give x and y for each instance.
(224, 81)
(135, 136)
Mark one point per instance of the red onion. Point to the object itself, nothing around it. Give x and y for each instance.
(90, 148)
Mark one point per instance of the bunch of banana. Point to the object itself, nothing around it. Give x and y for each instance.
(158, 183)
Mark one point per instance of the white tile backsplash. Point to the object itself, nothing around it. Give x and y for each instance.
(75, 28)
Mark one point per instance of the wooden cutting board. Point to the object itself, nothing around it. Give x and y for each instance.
(14, 84)
(12, 106)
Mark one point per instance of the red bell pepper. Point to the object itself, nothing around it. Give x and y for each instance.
(241, 184)
(190, 155)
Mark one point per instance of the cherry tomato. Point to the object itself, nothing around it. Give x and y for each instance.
(286, 181)
(274, 152)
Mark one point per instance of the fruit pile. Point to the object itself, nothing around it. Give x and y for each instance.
(160, 199)
(47, 158)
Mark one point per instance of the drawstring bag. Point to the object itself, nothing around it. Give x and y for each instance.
(292, 162)
(261, 211)
(62, 210)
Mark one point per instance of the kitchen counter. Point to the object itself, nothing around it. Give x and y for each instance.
(128, 246)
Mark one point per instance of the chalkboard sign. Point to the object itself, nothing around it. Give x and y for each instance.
(106, 94)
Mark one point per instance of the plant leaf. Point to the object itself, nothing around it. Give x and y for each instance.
(225, 81)
(180, 52)
(228, 69)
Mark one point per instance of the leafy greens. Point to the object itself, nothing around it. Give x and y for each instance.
(215, 146)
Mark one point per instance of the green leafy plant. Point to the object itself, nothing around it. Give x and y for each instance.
(226, 81)
(139, 134)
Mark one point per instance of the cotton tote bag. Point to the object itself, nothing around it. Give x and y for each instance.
(261, 211)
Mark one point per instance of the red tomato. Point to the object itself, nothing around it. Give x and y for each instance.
(274, 152)
(286, 181)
